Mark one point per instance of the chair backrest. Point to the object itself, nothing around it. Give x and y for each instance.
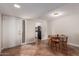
(54, 37)
(60, 37)
(64, 38)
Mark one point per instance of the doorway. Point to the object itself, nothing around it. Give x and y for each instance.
(20, 29)
(38, 31)
(23, 31)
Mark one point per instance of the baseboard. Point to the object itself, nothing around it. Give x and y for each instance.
(10, 47)
(23, 43)
(73, 44)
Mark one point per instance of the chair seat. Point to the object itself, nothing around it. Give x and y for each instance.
(56, 40)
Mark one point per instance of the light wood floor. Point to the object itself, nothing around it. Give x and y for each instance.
(41, 49)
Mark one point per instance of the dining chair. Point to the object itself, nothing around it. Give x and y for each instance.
(64, 40)
(56, 42)
(49, 40)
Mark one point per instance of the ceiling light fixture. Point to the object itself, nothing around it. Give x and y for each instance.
(56, 14)
(17, 6)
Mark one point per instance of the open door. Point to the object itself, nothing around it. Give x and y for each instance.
(19, 31)
(23, 32)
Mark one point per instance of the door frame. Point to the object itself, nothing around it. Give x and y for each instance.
(23, 32)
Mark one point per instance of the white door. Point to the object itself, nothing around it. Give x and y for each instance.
(9, 32)
(19, 31)
(12, 32)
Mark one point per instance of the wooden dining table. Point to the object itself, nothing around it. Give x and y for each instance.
(58, 42)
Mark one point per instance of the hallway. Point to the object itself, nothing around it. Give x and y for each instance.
(41, 49)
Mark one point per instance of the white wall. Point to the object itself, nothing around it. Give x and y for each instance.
(68, 24)
(12, 31)
(26, 39)
(49, 30)
(8, 31)
(0, 32)
(30, 29)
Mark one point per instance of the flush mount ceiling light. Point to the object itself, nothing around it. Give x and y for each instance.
(17, 6)
(56, 14)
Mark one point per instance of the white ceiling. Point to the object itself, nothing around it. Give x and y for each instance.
(29, 10)
(66, 10)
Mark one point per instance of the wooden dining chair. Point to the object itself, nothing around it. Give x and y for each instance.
(56, 42)
(64, 40)
(49, 40)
